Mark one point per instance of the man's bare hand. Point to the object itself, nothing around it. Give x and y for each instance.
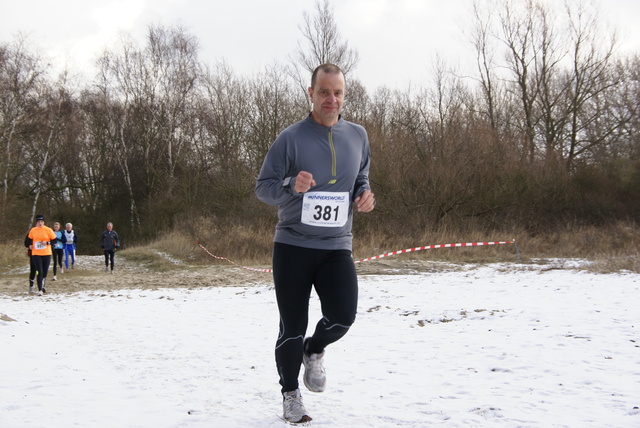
(366, 201)
(304, 182)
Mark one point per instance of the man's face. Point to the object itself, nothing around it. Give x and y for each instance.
(327, 97)
(109, 226)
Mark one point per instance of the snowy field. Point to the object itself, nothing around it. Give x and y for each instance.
(485, 346)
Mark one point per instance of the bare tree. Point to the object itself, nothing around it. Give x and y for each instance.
(274, 108)
(324, 44)
(588, 81)
(520, 30)
(156, 87)
(21, 75)
(173, 62)
(226, 119)
(45, 145)
(482, 38)
(119, 88)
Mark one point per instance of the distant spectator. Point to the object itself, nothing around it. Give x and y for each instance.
(109, 242)
(58, 250)
(32, 267)
(69, 239)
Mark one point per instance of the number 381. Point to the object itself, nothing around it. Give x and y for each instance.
(326, 213)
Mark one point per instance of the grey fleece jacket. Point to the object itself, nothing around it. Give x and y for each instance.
(339, 158)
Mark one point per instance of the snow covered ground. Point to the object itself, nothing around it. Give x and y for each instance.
(485, 346)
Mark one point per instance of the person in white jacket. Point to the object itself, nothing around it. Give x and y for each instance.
(69, 239)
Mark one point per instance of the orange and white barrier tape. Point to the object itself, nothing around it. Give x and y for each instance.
(392, 253)
(230, 261)
(431, 247)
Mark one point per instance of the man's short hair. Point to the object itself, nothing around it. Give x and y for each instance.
(327, 68)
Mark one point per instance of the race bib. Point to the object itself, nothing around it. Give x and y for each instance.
(41, 245)
(325, 209)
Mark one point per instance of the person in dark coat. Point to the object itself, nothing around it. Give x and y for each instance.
(109, 242)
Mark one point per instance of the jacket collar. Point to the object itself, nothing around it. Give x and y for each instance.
(339, 122)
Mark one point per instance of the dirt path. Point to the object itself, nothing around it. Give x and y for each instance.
(88, 274)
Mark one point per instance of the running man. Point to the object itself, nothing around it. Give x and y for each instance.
(316, 171)
(109, 242)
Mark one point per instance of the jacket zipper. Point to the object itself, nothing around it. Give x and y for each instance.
(333, 158)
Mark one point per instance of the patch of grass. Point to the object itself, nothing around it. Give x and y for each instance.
(611, 264)
(375, 244)
(12, 255)
(176, 245)
(244, 244)
(610, 248)
(148, 258)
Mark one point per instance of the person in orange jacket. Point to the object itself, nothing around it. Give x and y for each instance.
(40, 238)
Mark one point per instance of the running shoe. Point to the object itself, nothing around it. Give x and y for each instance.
(314, 375)
(293, 409)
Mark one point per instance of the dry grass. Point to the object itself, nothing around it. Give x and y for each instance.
(148, 257)
(380, 243)
(613, 248)
(12, 254)
(242, 244)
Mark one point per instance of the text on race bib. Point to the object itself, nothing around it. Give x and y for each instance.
(325, 209)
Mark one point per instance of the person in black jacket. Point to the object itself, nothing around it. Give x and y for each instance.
(32, 266)
(109, 242)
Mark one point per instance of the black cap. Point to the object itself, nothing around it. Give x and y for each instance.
(39, 217)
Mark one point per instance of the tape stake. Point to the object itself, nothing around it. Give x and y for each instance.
(517, 250)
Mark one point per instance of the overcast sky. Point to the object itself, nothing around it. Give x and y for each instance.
(397, 39)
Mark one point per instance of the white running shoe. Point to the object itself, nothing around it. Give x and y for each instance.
(314, 376)
(293, 409)
(31, 289)
(39, 293)
(54, 277)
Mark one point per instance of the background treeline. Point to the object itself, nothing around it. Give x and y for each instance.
(542, 135)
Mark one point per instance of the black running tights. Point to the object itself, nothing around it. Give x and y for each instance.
(41, 264)
(58, 253)
(295, 271)
(109, 255)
